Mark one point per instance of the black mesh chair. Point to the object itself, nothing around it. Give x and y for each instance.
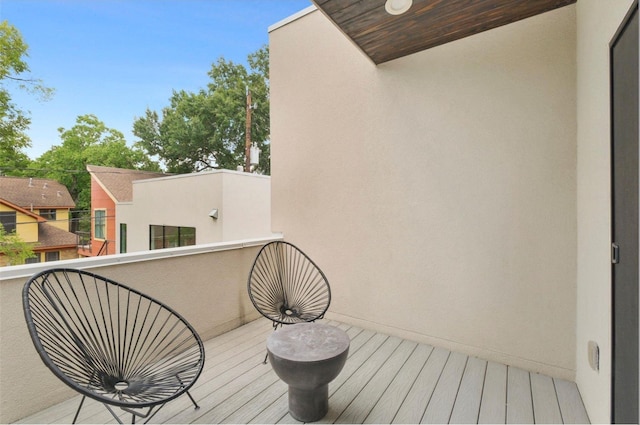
(286, 286)
(110, 342)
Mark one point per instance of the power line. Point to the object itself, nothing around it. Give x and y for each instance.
(91, 217)
(50, 170)
(43, 170)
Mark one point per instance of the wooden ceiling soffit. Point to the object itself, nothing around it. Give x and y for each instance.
(428, 23)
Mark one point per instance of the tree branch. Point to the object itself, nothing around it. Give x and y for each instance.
(26, 80)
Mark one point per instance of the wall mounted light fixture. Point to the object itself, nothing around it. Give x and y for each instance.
(214, 214)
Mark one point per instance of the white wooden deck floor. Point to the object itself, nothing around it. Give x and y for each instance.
(385, 380)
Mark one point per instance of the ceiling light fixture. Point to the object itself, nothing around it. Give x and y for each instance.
(397, 7)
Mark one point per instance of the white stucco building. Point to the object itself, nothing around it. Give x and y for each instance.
(213, 206)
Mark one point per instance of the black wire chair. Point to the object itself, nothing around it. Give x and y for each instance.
(110, 342)
(286, 286)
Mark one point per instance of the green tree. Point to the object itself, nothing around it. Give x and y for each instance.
(89, 141)
(14, 248)
(206, 130)
(14, 122)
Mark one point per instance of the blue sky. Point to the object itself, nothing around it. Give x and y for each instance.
(116, 58)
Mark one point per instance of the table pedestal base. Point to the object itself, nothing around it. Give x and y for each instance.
(309, 405)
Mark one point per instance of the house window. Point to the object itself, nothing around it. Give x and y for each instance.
(187, 236)
(123, 238)
(49, 214)
(171, 236)
(8, 220)
(99, 225)
(32, 260)
(52, 256)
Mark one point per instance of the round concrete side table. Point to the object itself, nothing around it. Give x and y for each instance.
(307, 356)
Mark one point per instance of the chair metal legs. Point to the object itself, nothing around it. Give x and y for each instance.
(150, 413)
(75, 418)
(193, 401)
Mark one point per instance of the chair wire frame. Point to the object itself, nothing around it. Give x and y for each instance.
(110, 342)
(286, 286)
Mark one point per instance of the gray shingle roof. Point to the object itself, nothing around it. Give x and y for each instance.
(28, 192)
(49, 236)
(119, 181)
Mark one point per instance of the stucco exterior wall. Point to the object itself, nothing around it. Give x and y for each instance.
(242, 200)
(246, 207)
(597, 22)
(436, 191)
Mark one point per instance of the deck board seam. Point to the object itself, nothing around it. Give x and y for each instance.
(533, 406)
(426, 406)
(368, 380)
(375, 374)
(484, 382)
(412, 385)
(455, 399)
(361, 364)
(555, 391)
(391, 382)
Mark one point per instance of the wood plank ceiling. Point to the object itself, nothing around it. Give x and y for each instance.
(428, 23)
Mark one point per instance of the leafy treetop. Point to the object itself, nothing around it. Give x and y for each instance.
(89, 141)
(206, 130)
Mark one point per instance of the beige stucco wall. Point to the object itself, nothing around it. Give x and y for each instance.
(597, 22)
(205, 284)
(246, 207)
(242, 200)
(436, 191)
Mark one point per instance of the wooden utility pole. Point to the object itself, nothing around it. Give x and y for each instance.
(247, 143)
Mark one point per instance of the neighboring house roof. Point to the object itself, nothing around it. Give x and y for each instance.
(50, 236)
(28, 193)
(118, 182)
(22, 210)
